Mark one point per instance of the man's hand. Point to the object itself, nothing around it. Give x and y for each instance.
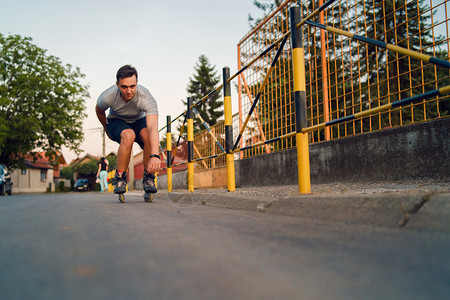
(154, 164)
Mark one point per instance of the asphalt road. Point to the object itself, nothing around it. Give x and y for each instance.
(90, 246)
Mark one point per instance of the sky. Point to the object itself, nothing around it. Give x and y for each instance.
(162, 39)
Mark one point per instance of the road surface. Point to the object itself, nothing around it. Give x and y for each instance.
(90, 246)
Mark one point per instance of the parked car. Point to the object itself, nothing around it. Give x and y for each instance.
(6, 185)
(81, 185)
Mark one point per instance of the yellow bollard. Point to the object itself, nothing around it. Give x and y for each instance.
(231, 183)
(304, 181)
(190, 123)
(169, 155)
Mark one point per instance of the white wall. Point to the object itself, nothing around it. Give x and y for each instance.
(31, 181)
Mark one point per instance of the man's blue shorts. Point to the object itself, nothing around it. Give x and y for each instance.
(115, 127)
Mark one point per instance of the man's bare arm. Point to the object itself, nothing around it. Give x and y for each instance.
(101, 115)
(152, 127)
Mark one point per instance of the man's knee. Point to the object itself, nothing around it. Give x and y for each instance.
(127, 137)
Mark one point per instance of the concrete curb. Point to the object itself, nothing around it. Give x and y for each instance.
(402, 209)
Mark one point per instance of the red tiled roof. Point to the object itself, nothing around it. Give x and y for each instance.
(86, 157)
(41, 161)
(38, 165)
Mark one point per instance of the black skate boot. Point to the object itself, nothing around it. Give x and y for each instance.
(120, 183)
(148, 183)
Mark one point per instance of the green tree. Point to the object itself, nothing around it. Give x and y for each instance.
(112, 160)
(399, 24)
(41, 102)
(265, 7)
(89, 168)
(203, 82)
(67, 172)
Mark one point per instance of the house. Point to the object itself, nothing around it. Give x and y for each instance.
(60, 163)
(38, 175)
(85, 159)
(90, 175)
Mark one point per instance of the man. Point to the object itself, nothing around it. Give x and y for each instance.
(133, 117)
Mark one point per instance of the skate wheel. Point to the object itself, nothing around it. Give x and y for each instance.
(121, 198)
(148, 197)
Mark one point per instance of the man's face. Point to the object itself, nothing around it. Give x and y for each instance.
(127, 87)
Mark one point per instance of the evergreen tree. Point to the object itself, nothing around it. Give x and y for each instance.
(265, 6)
(200, 84)
(395, 23)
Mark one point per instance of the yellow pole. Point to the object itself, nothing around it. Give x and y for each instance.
(231, 184)
(324, 75)
(304, 182)
(190, 123)
(110, 180)
(169, 179)
(169, 154)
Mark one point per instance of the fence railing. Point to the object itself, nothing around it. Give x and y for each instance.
(339, 85)
(343, 75)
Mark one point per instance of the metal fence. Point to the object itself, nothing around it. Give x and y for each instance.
(358, 68)
(345, 76)
(205, 146)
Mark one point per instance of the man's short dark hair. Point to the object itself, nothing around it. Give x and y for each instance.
(125, 72)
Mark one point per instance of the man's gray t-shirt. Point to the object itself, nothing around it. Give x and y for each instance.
(140, 106)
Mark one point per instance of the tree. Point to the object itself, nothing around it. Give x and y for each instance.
(112, 162)
(265, 6)
(203, 82)
(89, 168)
(67, 172)
(41, 102)
(402, 76)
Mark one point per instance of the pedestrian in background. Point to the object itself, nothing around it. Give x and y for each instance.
(102, 174)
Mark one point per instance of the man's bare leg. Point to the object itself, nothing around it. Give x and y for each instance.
(123, 159)
(148, 180)
(127, 138)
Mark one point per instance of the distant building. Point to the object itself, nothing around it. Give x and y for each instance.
(38, 175)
